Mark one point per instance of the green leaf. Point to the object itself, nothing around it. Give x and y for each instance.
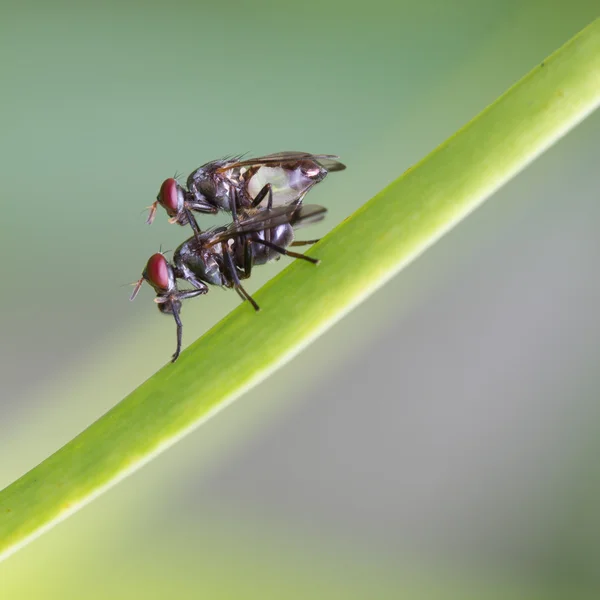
(358, 256)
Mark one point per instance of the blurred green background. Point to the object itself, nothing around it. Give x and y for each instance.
(440, 442)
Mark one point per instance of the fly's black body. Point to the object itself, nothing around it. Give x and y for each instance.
(224, 256)
(239, 185)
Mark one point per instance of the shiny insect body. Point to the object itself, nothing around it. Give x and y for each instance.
(223, 256)
(237, 185)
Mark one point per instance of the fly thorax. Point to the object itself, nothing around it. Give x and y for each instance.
(222, 192)
(205, 187)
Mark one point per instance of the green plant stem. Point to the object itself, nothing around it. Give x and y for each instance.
(358, 256)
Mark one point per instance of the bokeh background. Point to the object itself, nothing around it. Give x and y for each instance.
(439, 442)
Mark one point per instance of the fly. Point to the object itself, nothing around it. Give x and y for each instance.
(223, 256)
(237, 185)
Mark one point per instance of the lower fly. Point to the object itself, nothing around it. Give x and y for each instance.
(224, 256)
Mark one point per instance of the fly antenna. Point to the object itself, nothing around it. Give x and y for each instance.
(136, 289)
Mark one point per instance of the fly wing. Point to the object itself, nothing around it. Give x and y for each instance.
(329, 162)
(221, 164)
(295, 215)
(204, 239)
(307, 214)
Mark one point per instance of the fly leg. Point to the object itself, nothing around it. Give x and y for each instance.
(183, 295)
(197, 206)
(192, 221)
(304, 242)
(172, 305)
(235, 278)
(183, 272)
(201, 287)
(234, 206)
(175, 310)
(248, 258)
(268, 244)
(267, 190)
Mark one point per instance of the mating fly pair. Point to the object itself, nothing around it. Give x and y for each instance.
(264, 196)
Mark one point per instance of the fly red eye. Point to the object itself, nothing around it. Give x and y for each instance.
(169, 196)
(157, 272)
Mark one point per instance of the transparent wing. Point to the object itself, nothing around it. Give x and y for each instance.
(209, 234)
(295, 215)
(329, 162)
